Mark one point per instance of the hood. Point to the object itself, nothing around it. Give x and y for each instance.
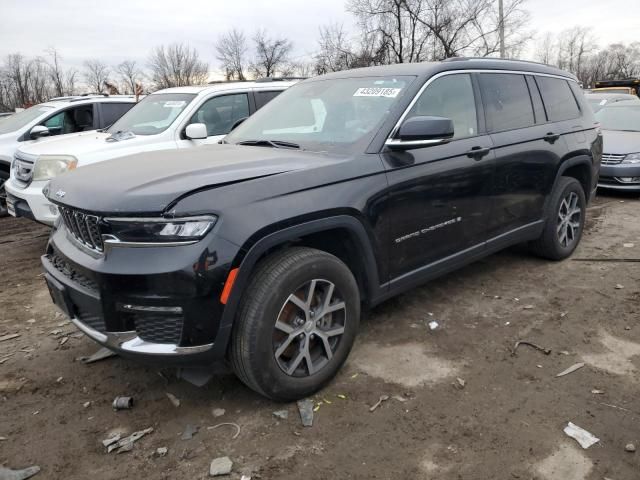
(149, 182)
(621, 143)
(80, 143)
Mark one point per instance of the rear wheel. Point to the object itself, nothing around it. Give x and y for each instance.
(565, 221)
(4, 176)
(296, 324)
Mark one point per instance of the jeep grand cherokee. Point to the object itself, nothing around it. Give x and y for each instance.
(345, 190)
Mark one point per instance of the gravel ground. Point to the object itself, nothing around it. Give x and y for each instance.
(461, 405)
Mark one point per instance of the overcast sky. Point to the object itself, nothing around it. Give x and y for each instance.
(118, 30)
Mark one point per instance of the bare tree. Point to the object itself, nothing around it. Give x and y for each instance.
(546, 49)
(231, 51)
(574, 46)
(130, 75)
(96, 74)
(271, 54)
(177, 65)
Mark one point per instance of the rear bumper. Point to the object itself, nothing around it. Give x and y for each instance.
(155, 314)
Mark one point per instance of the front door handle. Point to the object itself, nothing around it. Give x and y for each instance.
(478, 152)
(551, 137)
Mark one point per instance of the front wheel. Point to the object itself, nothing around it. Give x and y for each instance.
(565, 221)
(296, 324)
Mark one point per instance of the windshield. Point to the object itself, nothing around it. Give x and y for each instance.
(620, 118)
(20, 119)
(153, 115)
(324, 115)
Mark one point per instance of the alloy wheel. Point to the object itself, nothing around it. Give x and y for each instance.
(569, 219)
(309, 328)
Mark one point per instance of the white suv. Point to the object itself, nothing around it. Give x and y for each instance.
(58, 116)
(173, 118)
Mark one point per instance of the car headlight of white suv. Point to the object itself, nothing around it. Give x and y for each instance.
(632, 158)
(50, 166)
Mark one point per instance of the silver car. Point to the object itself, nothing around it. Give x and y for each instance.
(620, 167)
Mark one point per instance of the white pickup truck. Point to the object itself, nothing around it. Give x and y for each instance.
(182, 117)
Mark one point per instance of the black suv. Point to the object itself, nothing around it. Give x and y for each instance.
(345, 190)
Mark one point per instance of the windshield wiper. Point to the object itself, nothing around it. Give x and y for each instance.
(271, 143)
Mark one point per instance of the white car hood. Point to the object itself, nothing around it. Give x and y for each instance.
(78, 144)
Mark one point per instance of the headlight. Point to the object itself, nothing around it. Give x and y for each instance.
(160, 230)
(50, 166)
(632, 158)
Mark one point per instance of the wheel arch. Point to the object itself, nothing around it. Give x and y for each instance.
(579, 167)
(349, 241)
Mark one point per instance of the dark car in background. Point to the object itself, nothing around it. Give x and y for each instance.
(345, 190)
(621, 152)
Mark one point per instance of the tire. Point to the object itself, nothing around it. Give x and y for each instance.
(4, 176)
(261, 352)
(560, 236)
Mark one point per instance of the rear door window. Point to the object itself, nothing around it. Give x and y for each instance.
(506, 100)
(450, 96)
(263, 97)
(559, 102)
(112, 112)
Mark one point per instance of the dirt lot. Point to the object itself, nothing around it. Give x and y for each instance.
(505, 423)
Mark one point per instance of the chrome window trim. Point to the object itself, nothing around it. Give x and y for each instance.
(396, 127)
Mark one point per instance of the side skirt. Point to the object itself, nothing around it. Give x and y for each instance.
(453, 262)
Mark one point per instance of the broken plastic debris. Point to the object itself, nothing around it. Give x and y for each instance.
(175, 401)
(220, 466)
(189, 431)
(580, 435)
(126, 444)
(218, 412)
(99, 355)
(571, 369)
(433, 325)
(305, 407)
(8, 474)
(161, 451)
(597, 392)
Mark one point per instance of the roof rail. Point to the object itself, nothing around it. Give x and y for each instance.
(493, 59)
(278, 79)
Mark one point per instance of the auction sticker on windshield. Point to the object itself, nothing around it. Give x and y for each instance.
(174, 104)
(377, 92)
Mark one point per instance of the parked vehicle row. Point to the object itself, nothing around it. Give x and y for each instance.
(59, 116)
(173, 118)
(345, 190)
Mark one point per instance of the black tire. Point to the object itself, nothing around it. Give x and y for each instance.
(254, 342)
(4, 176)
(551, 245)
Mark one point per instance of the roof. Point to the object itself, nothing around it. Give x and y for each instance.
(609, 94)
(221, 87)
(430, 68)
(80, 99)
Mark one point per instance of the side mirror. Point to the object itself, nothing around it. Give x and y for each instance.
(421, 131)
(196, 131)
(238, 122)
(38, 131)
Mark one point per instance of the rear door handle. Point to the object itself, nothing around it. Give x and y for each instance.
(551, 137)
(478, 152)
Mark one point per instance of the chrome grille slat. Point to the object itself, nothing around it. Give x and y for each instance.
(23, 169)
(612, 158)
(83, 227)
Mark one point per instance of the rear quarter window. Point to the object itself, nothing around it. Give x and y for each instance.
(506, 100)
(264, 97)
(558, 99)
(113, 111)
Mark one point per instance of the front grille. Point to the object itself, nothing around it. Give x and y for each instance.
(611, 158)
(159, 328)
(84, 227)
(72, 273)
(22, 169)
